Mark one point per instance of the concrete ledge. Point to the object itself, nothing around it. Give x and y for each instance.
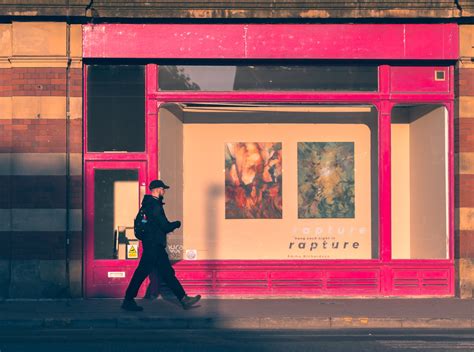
(295, 323)
(152, 323)
(441, 323)
(93, 323)
(363, 322)
(334, 323)
(21, 323)
(231, 323)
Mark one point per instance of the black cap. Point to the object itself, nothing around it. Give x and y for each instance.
(157, 184)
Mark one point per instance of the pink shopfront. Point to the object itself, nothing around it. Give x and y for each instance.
(303, 159)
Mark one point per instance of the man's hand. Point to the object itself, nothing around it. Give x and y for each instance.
(177, 224)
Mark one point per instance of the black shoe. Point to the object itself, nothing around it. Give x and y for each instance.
(131, 305)
(150, 297)
(188, 301)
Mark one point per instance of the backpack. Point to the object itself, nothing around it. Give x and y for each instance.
(140, 225)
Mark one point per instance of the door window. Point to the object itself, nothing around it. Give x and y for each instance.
(116, 193)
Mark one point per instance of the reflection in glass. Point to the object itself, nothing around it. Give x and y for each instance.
(115, 207)
(419, 182)
(268, 77)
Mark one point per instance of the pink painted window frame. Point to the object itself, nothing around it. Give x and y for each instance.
(384, 103)
(384, 100)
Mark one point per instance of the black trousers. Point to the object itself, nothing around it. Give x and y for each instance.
(154, 257)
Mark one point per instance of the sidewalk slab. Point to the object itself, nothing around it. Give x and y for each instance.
(301, 314)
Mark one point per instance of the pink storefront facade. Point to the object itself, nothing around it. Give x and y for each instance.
(409, 248)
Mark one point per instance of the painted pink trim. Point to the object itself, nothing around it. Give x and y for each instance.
(89, 230)
(86, 215)
(384, 81)
(419, 79)
(302, 278)
(451, 203)
(115, 156)
(92, 266)
(84, 108)
(315, 262)
(151, 118)
(297, 97)
(272, 41)
(385, 200)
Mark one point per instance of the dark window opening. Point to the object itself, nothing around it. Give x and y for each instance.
(116, 108)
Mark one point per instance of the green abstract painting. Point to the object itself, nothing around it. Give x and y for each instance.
(326, 180)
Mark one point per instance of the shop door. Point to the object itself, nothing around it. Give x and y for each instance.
(113, 194)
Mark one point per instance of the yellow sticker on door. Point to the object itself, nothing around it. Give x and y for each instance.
(132, 251)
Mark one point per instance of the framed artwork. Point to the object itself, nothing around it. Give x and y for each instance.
(326, 180)
(253, 180)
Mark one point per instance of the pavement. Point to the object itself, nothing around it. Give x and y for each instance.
(341, 313)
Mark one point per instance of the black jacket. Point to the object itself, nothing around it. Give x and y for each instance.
(158, 224)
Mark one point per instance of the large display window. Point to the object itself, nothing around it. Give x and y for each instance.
(272, 181)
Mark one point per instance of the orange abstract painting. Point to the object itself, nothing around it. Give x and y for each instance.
(253, 180)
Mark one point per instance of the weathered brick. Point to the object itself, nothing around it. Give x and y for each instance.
(42, 81)
(75, 135)
(5, 192)
(466, 277)
(464, 185)
(465, 82)
(466, 244)
(38, 136)
(6, 136)
(75, 247)
(38, 245)
(75, 192)
(76, 82)
(464, 135)
(38, 192)
(5, 82)
(5, 248)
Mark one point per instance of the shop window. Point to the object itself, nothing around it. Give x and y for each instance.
(272, 181)
(420, 182)
(115, 108)
(268, 77)
(114, 211)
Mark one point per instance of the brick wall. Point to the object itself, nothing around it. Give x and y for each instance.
(464, 149)
(34, 179)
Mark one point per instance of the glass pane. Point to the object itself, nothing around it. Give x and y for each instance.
(275, 181)
(115, 108)
(272, 78)
(419, 182)
(115, 207)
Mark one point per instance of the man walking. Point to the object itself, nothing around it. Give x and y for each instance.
(154, 254)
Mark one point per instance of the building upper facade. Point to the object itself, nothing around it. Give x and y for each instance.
(247, 9)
